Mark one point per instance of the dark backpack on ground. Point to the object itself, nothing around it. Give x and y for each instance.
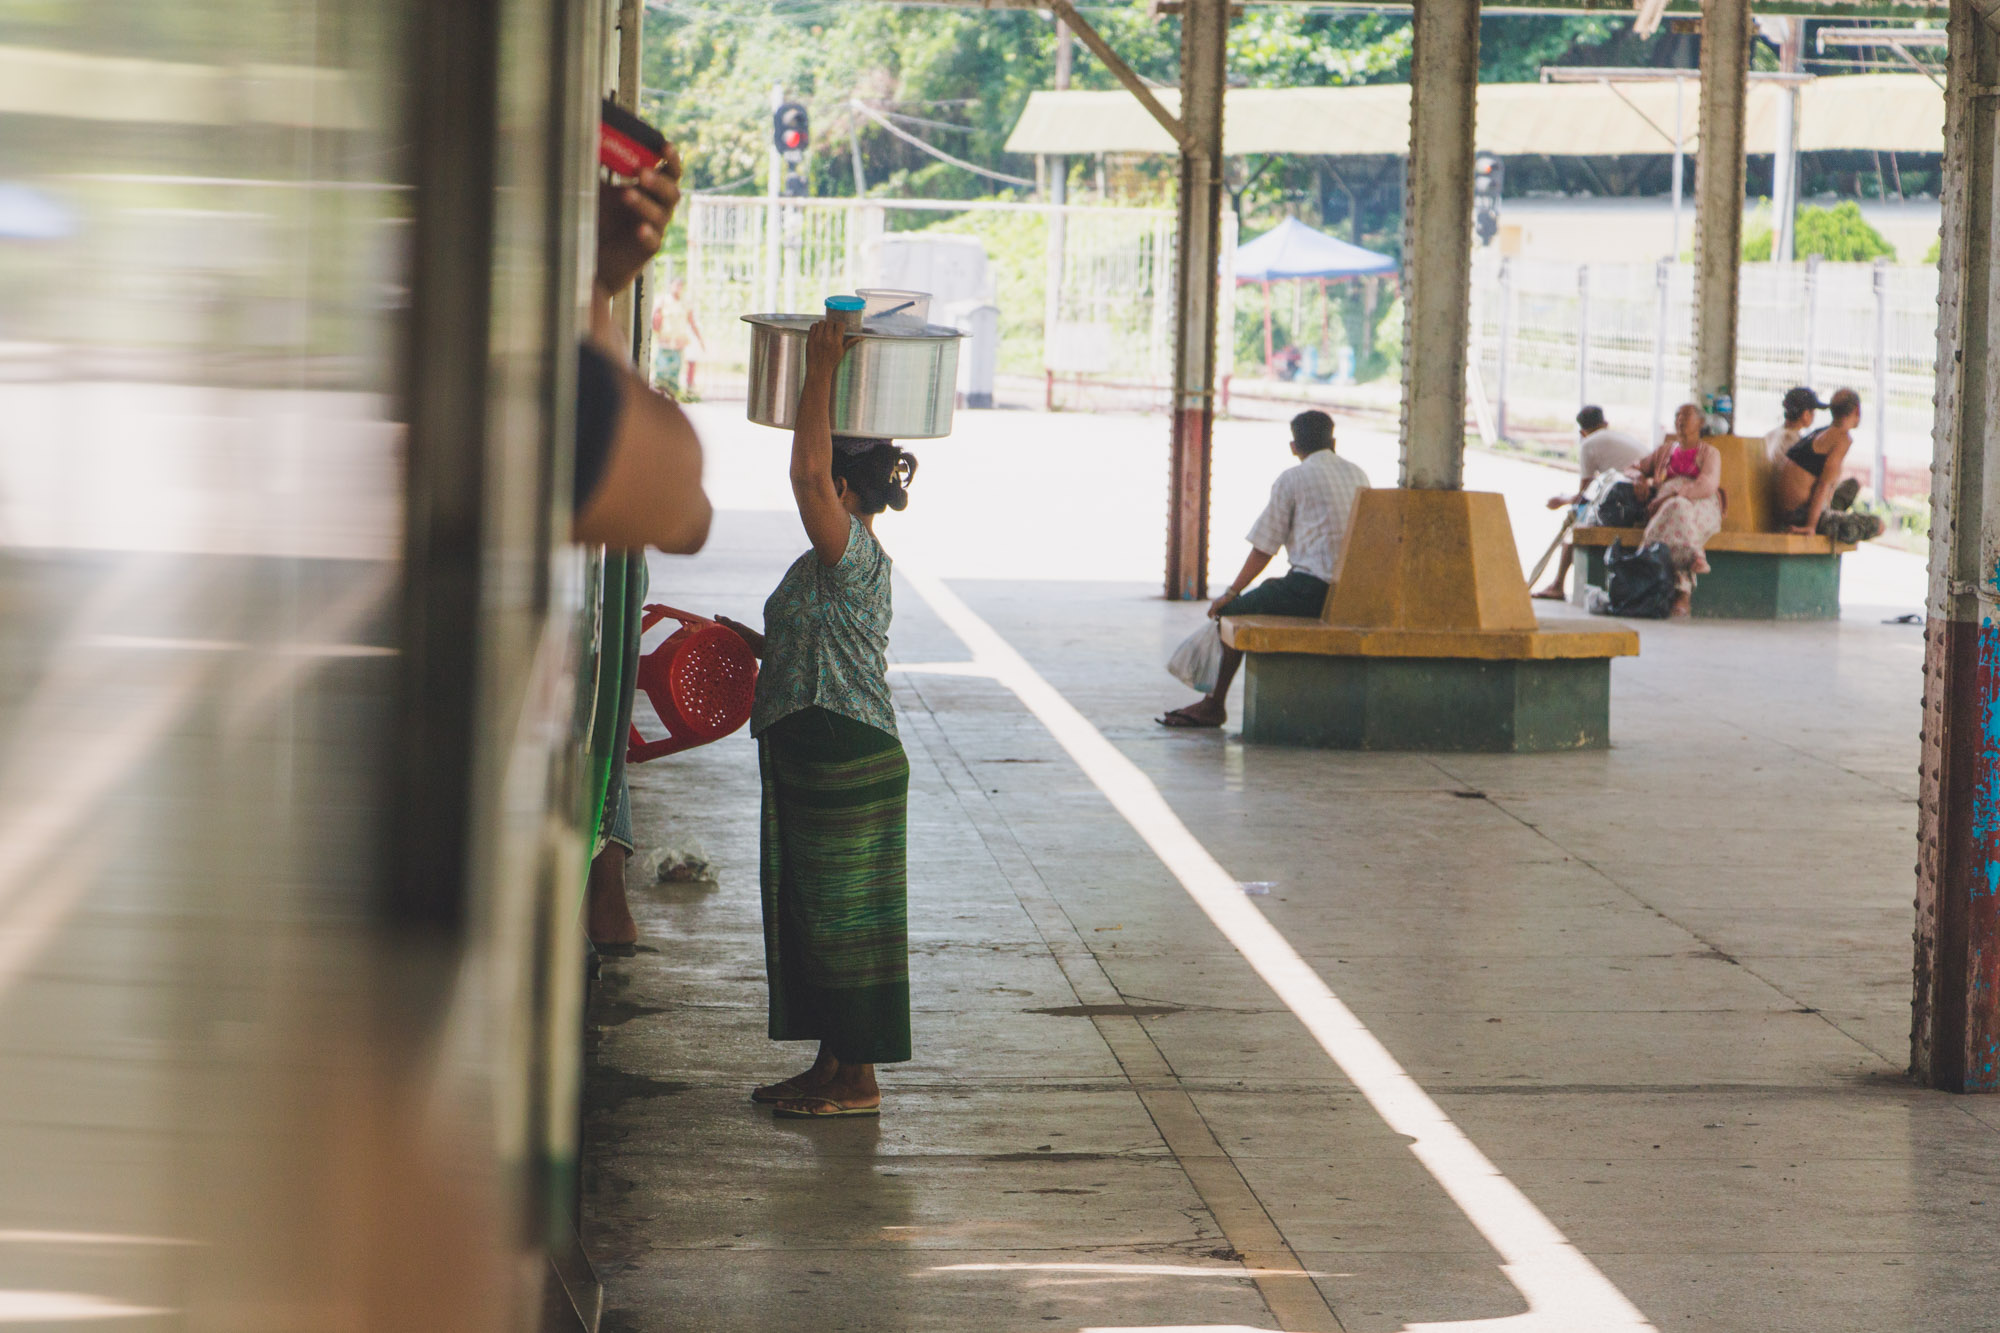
(1638, 584)
(1620, 507)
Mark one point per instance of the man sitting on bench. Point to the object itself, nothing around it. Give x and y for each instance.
(1307, 518)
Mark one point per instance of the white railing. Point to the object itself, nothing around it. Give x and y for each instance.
(1551, 336)
(1547, 336)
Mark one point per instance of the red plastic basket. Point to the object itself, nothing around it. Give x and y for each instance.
(701, 681)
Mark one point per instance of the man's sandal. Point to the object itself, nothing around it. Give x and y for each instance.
(820, 1108)
(1180, 718)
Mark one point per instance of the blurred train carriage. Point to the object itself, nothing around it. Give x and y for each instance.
(296, 665)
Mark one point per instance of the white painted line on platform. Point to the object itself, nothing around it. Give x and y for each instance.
(1564, 1291)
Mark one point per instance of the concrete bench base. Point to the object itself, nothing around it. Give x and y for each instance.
(1427, 703)
(1753, 585)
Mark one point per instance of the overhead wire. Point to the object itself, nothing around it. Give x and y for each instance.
(937, 153)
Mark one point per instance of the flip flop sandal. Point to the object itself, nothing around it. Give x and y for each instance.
(794, 1109)
(1179, 718)
(770, 1096)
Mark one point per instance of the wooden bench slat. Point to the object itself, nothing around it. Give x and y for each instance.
(1753, 543)
(1552, 641)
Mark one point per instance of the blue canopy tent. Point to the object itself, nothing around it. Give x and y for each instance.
(1292, 250)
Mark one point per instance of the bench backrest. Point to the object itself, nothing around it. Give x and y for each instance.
(1746, 478)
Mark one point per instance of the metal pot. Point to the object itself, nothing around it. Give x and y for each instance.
(899, 386)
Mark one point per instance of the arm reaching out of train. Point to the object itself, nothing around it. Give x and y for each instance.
(632, 221)
(638, 474)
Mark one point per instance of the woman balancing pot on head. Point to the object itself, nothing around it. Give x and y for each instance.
(1680, 484)
(1811, 497)
(836, 782)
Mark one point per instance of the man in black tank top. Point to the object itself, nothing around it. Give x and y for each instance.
(1812, 497)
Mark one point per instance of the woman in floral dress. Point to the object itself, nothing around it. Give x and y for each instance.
(1680, 484)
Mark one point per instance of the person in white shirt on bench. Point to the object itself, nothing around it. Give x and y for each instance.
(1599, 449)
(1307, 518)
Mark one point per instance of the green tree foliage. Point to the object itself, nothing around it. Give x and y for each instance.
(959, 79)
(710, 66)
(1838, 234)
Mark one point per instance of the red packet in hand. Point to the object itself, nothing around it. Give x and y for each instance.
(627, 144)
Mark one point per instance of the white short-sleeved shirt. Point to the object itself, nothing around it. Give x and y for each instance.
(1778, 441)
(1607, 450)
(1308, 513)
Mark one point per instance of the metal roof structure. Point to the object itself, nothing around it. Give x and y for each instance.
(1884, 112)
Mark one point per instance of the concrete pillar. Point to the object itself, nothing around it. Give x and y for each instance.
(1437, 241)
(1718, 187)
(1955, 1021)
(1204, 60)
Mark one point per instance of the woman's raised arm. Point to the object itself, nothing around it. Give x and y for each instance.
(826, 519)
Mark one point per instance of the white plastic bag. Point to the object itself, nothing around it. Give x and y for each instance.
(1198, 660)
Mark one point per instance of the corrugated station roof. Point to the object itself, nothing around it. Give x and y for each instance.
(1887, 112)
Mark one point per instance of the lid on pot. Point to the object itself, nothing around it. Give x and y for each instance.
(800, 323)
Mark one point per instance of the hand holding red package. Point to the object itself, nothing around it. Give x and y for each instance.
(632, 217)
(626, 144)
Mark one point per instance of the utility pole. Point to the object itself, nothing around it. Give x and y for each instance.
(1055, 174)
(1785, 153)
(773, 187)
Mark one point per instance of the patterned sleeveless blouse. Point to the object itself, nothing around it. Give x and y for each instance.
(826, 638)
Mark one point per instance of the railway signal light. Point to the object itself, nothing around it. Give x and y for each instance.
(1489, 176)
(791, 132)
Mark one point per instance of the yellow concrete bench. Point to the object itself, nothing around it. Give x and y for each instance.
(1757, 571)
(1428, 641)
(1548, 641)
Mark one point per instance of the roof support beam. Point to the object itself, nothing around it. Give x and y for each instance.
(1437, 242)
(1718, 243)
(1126, 75)
(1100, 48)
(1955, 1023)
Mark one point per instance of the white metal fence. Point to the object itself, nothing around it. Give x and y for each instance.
(1550, 336)
(1546, 336)
(1111, 316)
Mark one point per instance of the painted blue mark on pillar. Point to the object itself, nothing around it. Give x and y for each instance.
(1986, 780)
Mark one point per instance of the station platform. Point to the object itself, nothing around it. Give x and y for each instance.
(1662, 988)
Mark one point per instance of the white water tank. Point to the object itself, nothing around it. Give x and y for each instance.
(979, 354)
(953, 269)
